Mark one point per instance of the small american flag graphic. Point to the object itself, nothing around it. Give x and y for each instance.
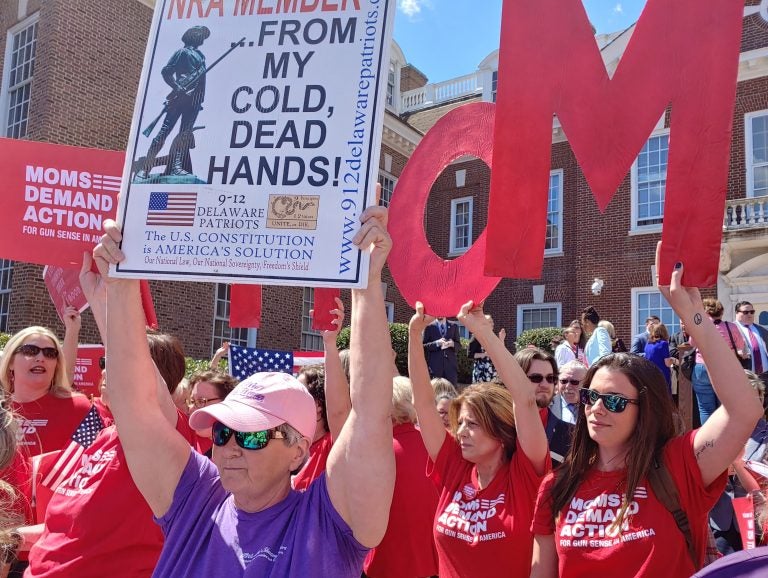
(245, 361)
(172, 209)
(69, 461)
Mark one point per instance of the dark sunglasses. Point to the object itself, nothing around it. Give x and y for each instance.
(29, 350)
(748, 312)
(254, 440)
(538, 378)
(102, 363)
(571, 381)
(612, 402)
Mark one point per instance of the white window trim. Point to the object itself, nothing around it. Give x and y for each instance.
(633, 309)
(252, 331)
(560, 250)
(634, 229)
(748, 149)
(390, 176)
(530, 306)
(389, 307)
(309, 332)
(452, 249)
(5, 85)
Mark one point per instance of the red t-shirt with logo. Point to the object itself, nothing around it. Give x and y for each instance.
(407, 549)
(318, 457)
(480, 533)
(97, 522)
(649, 543)
(45, 425)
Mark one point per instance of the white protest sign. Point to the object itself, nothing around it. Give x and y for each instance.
(255, 141)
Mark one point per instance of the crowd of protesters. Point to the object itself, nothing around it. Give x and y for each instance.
(562, 464)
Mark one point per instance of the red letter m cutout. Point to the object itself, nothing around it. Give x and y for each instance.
(683, 52)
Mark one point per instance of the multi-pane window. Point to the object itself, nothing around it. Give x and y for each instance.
(538, 315)
(311, 339)
(652, 181)
(757, 154)
(387, 183)
(6, 274)
(461, 225)
(649, 302)
(554, 240)
(391, 86)
(221, 330)
(494, 84)
(21, 62)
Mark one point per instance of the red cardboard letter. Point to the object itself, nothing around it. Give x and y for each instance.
(683, 53)
(443, 286)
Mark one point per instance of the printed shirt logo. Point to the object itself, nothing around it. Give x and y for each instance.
(266, 553)
(469, 491)
(591, 523)
(26, 435)
(467, 519)
(84, 479)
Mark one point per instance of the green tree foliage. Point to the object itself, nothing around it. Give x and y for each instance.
(541, 338)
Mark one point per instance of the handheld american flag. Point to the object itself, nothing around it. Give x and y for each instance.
(245, 361)
(69, 461)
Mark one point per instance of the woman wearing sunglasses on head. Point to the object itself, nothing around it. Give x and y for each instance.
(33, 373)
(488, 466)
(601, 510)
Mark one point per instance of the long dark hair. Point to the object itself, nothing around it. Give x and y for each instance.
(655, 427)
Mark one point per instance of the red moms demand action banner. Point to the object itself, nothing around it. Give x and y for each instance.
(55, 199)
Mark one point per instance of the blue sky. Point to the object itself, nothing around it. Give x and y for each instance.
(449, 38)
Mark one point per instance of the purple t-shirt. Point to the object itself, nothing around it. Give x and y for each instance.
(206, 535)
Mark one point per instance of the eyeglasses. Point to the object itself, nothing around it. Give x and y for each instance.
(255, 440)
(748, 312)
(571, 381)
(30, 350)
(102, 363)
(612, 402)
(538, 378)
(200, 402)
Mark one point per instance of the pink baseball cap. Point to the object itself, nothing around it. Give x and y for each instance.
(260, 402)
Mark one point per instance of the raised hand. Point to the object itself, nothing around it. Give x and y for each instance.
(420, 320)
(686, 301)
(472, 317)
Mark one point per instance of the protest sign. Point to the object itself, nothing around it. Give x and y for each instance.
(63, 284)
(87, 370)
(255, 141)
(744, 510)
(549, 64)
(55, 199)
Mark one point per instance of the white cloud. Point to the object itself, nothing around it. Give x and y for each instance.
(618, 8)
(410, 7)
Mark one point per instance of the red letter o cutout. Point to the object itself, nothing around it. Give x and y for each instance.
(443, 286)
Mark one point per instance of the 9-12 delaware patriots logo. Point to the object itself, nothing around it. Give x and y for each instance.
(172, 209)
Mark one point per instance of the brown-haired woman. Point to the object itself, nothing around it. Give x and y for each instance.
(489, 466)
(598, 512)
(207, 387)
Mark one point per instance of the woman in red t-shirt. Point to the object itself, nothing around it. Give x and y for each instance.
(598, 513)
(33, 373)
(489, 466)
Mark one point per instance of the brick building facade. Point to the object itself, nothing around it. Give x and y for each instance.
(87, 61)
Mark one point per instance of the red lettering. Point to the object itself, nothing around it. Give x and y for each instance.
(443, 286)
(549, 63)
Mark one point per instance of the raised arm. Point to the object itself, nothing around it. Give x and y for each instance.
(155, 452)
(431, 425)
(722, 437)
(222, 351)
(337, 402)
(361, 465)
(530, 431)
(72, 323)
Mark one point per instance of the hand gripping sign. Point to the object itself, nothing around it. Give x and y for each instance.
(549, 64)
